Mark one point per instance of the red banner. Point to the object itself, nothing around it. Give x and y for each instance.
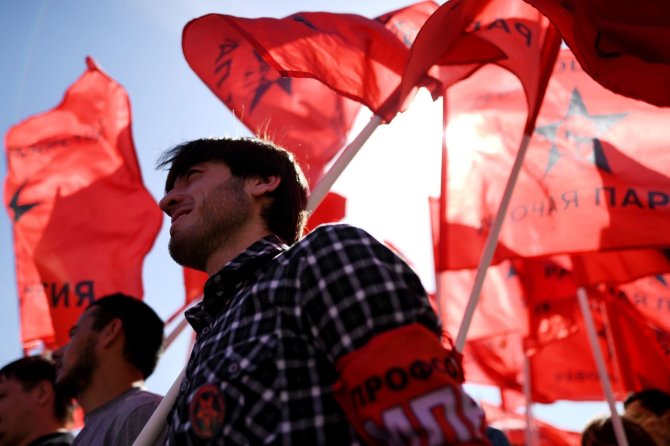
(300, 113)
(617, 40)
(593, 171)
(83, 220)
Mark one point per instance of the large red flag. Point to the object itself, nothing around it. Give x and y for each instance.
(83, 220)
(302, 114)
(593, 172)
(621, 44)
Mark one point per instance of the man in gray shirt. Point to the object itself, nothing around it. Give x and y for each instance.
(113, 348)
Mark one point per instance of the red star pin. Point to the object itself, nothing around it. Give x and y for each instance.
(206, 411)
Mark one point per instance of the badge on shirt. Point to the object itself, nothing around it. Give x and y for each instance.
(206, 411)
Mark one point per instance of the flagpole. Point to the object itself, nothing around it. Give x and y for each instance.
(600, 364)
(530, 440)
(548, 58)
(158, 421)
(323, 186)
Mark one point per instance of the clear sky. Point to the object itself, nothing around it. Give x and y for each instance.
(43, 45)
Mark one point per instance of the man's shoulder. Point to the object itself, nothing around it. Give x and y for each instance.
(334, 233)
(142, 397)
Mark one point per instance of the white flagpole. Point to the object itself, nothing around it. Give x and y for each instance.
(158, 421)
(491, 243)
(551, 46)
(600, 364)
(530, 440)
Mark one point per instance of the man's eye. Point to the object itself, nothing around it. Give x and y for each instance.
(192, 172)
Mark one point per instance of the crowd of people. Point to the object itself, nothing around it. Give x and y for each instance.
(323, 339)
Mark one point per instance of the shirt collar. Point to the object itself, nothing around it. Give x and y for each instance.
(222, 286)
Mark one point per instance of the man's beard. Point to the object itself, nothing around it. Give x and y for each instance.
(223, 212)
(80, 376)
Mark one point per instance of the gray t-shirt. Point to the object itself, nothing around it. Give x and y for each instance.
(120, 421)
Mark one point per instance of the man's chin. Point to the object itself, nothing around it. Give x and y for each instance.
(186, 257)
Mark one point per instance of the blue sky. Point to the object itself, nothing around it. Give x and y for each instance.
(43, 45)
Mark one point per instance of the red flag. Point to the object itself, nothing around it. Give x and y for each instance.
(622, 45)
(651, 297)
(194, 284)
(301, 114)
(594, 159)
(83, 220)
(642, 349)
(473, 33)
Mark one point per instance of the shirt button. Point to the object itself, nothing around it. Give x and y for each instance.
(233, 368)
(205, 330)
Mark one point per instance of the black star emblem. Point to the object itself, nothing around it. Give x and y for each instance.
(20, 209)
(264, 83)
(570, 129)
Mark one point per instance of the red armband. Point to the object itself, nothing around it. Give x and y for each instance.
(404, 387)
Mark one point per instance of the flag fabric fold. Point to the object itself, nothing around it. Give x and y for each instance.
(620, 44)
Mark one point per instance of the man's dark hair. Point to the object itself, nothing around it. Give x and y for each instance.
(32, 370)
(142, 327)
(654, 400)
(285, 213)
(600, 432)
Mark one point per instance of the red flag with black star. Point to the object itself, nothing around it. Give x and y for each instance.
(83, 220)
(593, 172)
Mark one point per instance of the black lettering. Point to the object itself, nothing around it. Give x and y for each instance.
(519, 213)
(524, 31)
(396, 379)
(357, 397)
(372, 385)
(420, 370)
(657, 198)
(57, 295)
(85, 291)
(631, 198)
(499, 23)
(610, 192)
(567, 199)
(538, 210)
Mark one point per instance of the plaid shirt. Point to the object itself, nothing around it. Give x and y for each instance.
(271, 326)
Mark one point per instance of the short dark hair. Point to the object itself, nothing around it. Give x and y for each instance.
(285, 214)
(142, 327)
(600, 432)
(32, 370)
(654, 400)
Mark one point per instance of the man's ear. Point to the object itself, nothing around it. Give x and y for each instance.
(44, 393)
(259, 186)
(111, 332)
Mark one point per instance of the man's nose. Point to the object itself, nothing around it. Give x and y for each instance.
(168, 202)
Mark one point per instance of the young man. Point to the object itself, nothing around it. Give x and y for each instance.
(32, 411)
(113, 348)
(650, 408)
(329, 341)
